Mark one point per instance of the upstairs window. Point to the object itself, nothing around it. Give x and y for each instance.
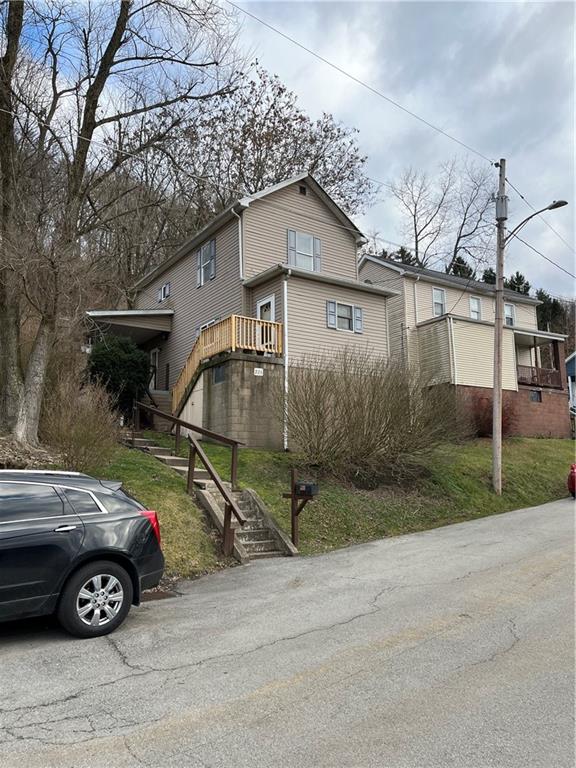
(509, 314)
(164, 292)
(304, 251)
(475, 308)
(206, 262)
(439, 301)
(344, 317)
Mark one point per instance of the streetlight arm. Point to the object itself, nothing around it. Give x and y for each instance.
(519, 226)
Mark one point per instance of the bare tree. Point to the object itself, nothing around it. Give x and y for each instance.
(77, 84)
(471, 232)
(425, 204)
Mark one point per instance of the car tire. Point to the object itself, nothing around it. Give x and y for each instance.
(95, 599)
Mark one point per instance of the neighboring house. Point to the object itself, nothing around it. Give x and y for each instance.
(271, 280)
(445, 325)
(571, 374)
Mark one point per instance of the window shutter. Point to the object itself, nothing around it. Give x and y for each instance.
(358, 320)
(198, 269)
(212, 259)
(331, 314)
(317, 255)
(159, 295)
(291, 246)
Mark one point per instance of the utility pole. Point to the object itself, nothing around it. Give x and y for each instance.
(501, 217)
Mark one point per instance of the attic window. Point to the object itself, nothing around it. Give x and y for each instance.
(302, 189)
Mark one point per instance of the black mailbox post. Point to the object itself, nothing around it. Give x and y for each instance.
(300, 494)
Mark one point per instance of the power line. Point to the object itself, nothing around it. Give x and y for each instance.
(559, 266)
(360, 82)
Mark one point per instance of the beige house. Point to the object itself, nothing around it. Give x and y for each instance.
(272, 280)
(445, 325)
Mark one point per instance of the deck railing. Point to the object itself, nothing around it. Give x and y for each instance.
(539, 377)
(233, 333)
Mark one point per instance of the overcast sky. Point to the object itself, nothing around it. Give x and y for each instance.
(497, 75)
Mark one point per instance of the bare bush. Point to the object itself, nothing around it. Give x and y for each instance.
(366, 418)
(481, 413)
(80, 421)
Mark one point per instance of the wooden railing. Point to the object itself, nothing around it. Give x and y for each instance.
(195, 450)
(539, 377)
(231, 334)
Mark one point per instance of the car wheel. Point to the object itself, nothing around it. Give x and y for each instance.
(95, 600)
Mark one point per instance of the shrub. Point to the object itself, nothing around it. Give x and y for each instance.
(366, 418)
(481, 415)
(122, 368)
(79, 420)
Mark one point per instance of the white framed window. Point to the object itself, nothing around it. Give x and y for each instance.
(344, 317)
(475, 308)
(266, 308)
(509, 314)
(206, 262)
(439, 301)
(304, 251)
(164, 292)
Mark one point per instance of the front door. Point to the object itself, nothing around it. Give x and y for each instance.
(39, 538)
(266, 310)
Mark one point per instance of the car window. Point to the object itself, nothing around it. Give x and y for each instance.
(21, 501)
(118, 504)
(81, 501)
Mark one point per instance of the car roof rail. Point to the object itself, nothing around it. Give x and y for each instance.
(61, 473)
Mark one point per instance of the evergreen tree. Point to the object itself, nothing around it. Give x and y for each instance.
(461, 268)
(517, 282)
(489, 276)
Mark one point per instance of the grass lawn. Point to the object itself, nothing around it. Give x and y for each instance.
(455, 486)
(189, 547)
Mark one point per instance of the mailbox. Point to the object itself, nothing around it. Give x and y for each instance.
(306, 489)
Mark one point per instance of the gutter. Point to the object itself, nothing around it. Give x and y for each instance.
(277, 269)
(286, 359)
(240, 244)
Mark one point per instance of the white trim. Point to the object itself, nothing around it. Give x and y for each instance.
(509, 304)
(443, 290)
(319, 277)
(267, 300)
(375, 260)
(567, 360)
(127, 312)
(453, 366)
(285, 318)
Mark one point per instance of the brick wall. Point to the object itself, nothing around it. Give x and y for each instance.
(549, 418)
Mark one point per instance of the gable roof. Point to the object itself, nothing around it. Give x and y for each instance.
(434, 276)
(240, 205)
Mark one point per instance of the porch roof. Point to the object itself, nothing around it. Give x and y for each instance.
(140, 325)
(525, 337)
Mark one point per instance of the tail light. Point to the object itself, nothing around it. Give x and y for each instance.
(153, 517)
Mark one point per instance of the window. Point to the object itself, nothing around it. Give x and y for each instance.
(23, 501)
(535, 396)
(118, 503)
(302, 189)
(475, 308)
(81, 501)
(439, 301)
(344, 317)
(219, 374)
(206, 262)
(509, 314)
(304, 251)
(164, 292)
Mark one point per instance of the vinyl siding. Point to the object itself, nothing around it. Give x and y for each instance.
(395, 305)
(194, 306)
(267, 221)
(434, 352)
(264, 290)
(474, 355)
(307, 331)
(458, 303)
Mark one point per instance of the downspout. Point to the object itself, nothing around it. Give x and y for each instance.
(453, 368)
(285, 344)
(240, 244)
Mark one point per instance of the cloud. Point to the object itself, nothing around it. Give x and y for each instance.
(499, 76)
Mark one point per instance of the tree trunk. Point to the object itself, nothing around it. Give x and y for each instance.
(25, 429)
(11, 384)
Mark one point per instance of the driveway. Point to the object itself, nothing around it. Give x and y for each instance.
(453, 647)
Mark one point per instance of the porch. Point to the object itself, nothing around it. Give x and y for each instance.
(540, 359)
(234, 333)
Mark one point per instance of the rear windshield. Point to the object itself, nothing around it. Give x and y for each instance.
(118, 502)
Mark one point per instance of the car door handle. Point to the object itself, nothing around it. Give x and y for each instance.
(65, 528)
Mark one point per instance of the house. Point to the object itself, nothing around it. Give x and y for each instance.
(445, 325)
(571, 375)
(276, 278)
(271, 280)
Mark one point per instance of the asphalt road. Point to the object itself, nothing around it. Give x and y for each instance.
(452, 648)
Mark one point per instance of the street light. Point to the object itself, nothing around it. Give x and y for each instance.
(502, 240)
